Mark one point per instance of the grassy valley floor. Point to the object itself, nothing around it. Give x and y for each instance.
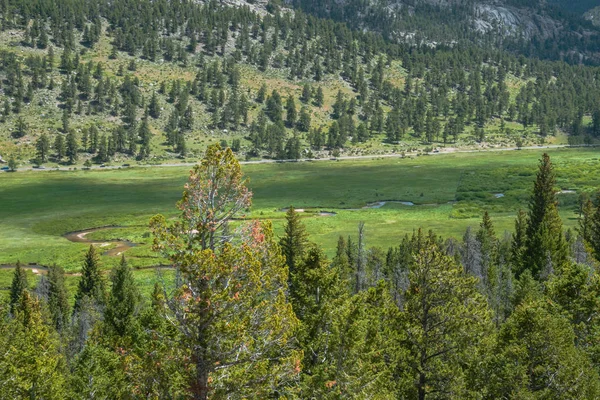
(393, 196)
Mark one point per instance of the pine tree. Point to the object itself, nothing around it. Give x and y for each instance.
(244, 106)
(535, 357)
(585, 227)
(58, 298)
(12, 163)
(446, 319)
(306, 94)
(72, 147)
(97, 372)
(219, 317)
(545, 247)
(91, 284)
(304, 119)
(18, 285)
(42, 147)
(60, 147)
(103, 150)
(488, 242)
(262, 94)
(123, 300)
(319, 97)
(291, 113)
(519, 239)
(31, 366)
(153, 106)
(294, 242)
(217, 321)
(273, 107)
(20, 129)
(144, 130)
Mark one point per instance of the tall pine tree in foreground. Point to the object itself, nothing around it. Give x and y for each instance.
(295, 240)
(123, 300)
(535, 357)
(58, 297)
(545, 248)
(91, 283)
(31, 367)
(18, 285)
(445, 320)
(231, 311)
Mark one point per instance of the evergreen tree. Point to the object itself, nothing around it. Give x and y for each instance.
(72, 147)
(261, 94)
(306, 94)
(273, 107)
(586, 215)
(304, 119)
(535, 357)
(293, 243)
(219, 317)
(347, 341)
(20, 129)
(153, 106)
(291, 113)
(576, 289)
(31, 366)
(244, 106)
(12, 163)
(545, 247)
(18, 285)
(446, 319)
(97, 371)
(58, 298)
(91, 284)
(123, 300)
(319, 97)
(42, 147)
(60, 147)
(519, 240)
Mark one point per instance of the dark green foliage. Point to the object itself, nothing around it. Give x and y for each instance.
(417, 322)
(18, 285)
(20, 129)
(545, 247)
(293, 243)
(535, 356)
(123, 300)
(91, 284)
(153, 106)
(60, 147)
(72, 147)
(42, 146)
(58, 298)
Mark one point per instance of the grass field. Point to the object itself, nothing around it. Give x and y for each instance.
(449, 191)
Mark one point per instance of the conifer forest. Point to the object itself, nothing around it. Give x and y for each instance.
(299, 199)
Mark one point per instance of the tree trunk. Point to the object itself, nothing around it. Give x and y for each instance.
(199, 385)
(421, 387)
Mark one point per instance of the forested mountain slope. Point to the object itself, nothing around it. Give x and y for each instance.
(533, 28)
(578, 6)
(87, 82)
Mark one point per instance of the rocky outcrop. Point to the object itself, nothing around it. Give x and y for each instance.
(593, 15)
(511, 21)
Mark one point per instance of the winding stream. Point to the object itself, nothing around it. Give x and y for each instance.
(121, 245)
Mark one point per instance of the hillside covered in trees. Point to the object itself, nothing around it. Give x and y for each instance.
(250, 315)
(90, 82)
(240, 310)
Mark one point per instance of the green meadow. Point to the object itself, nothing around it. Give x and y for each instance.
(449, 193)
